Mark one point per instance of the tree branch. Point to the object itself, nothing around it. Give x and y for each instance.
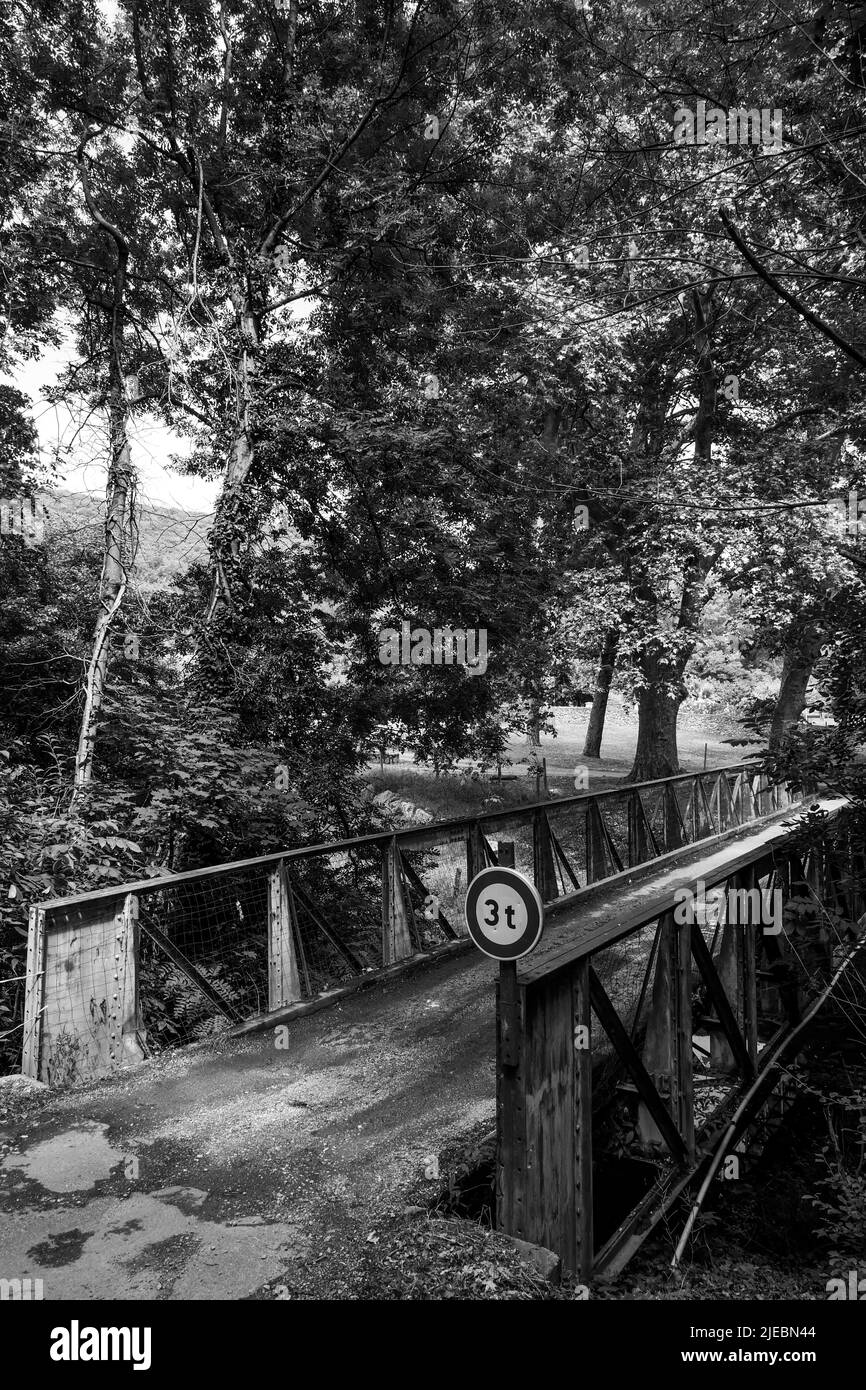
(796, 304)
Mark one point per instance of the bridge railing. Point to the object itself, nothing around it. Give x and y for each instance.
(116, 974)
(623, 1051)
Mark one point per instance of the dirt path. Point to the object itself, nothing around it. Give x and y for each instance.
(211, 1176)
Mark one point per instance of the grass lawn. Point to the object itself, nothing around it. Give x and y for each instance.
(452, 795)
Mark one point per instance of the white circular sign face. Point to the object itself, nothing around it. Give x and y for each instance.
(504, 913)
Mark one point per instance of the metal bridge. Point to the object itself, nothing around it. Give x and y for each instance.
(626, 1024)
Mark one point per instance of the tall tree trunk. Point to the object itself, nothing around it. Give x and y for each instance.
(291, 35)
(800, 657)
(595, 727)
(659, 698)
(656, 752)
(112, 584)
(118, 492)
(225, 542)
(533, 726)
(662, 689)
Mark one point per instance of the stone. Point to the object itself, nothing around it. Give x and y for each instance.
(188, 1200)
(412, 1213)
(548, 1265)
(20, 1086)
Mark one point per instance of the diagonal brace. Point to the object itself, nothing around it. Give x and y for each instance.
(717, 993)
(610, 1022)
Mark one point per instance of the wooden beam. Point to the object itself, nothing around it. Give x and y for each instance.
(327, 931)
(511, 1164)
(34, 993)
(476, 858)
(187, 969)
(596, 863)
(674, 830)
(609, 1020)
(667, 1053)
(749, 880)
(582, 1090)
(730, 975)
(725, 804)
(721, 1004)
(544, 869)
(420, 887)
(647, 976)
(508, 1014)
(644, 837)
(633, 1231)
(693, 812)
(298, 936)
(563, 858)
(127, 1027)
(396, 937)
(636, 832)
(284, 984)
(505, 854)
(612, 850)
(711, 821)
(681, 1026)
(547, 1060)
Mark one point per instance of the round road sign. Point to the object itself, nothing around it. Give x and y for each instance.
(504, 913)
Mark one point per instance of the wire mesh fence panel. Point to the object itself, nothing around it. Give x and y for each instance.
(337, 912)
(519, 834)
(442, 870)
(430, 875)
(737, 812)
(764, 795)
(615, 814)
(684, 794)
(202, 956)
(654, 811)
(569, 846)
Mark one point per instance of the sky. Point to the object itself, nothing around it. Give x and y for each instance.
(82, 457)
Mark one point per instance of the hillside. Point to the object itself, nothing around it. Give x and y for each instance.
(169, 539)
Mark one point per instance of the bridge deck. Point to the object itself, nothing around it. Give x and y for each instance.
(319, 1139)
(605, 912)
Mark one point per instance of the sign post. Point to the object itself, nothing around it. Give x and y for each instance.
(505, 919)
(508, 1012)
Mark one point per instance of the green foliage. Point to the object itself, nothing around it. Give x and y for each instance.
(840, 1197)
(299, 259)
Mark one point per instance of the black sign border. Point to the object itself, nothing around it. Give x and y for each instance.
(480, 882)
